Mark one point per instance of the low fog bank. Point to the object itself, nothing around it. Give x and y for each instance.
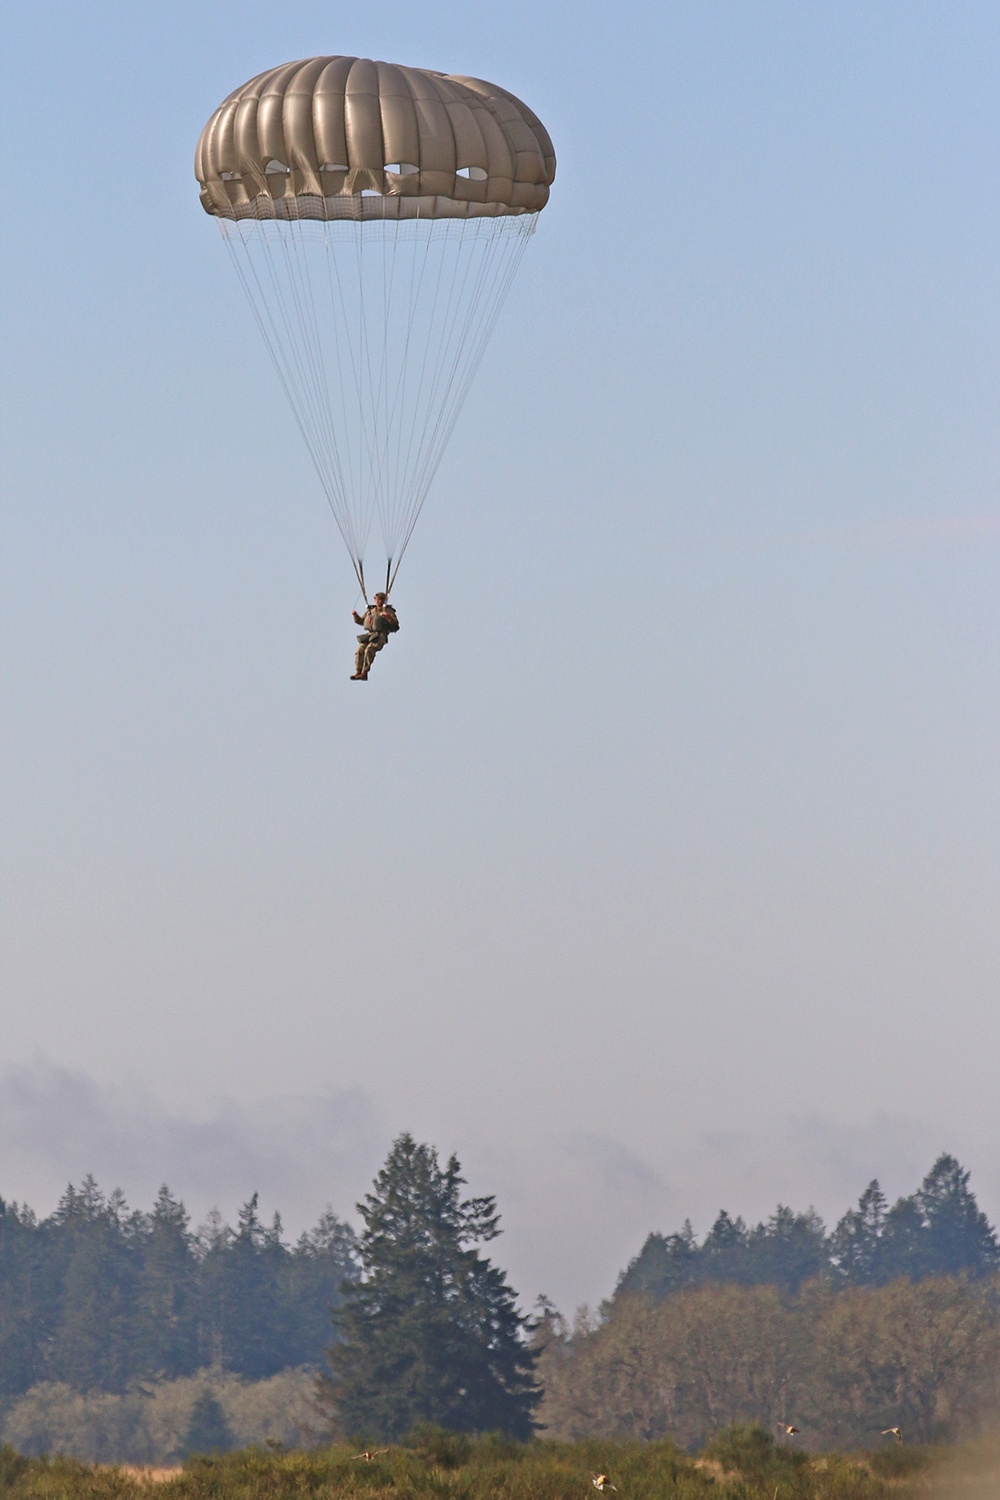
(575, 1209)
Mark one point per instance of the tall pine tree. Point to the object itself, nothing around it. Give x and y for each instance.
(431, 1332)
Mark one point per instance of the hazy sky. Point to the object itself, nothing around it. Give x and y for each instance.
(656, 868)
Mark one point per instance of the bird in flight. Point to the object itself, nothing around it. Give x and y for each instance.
(369, 1454)
(892, 1432)
(600, 1482)
(789, 1428)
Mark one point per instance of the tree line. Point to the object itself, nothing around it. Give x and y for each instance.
(98, 1296)
(892, 1320)
(939, 1230)
(426, 1329)
(842, 1366)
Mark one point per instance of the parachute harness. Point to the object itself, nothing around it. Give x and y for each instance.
(376, 328)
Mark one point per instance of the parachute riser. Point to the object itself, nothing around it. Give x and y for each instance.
(390, 577)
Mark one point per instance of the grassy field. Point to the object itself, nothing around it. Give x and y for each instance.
(743, 1464)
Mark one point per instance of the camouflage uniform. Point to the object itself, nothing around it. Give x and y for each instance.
(374, 637)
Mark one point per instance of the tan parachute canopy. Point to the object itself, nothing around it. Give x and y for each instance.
(348, 138)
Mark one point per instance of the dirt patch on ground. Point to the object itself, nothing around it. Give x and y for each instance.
(148, 1476)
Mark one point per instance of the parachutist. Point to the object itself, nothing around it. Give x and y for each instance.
(380, 621)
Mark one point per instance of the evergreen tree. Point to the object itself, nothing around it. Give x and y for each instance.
(431, 1332)
(98, 1292)
(216, 1313)
(665, 1263)
(784, 1252)
(856, 1245)
(959, 1236)
(22, 1329)
(939, 1230)
(787, 1250)
(254, 1264)
(724, 1255)
(312, 1287)
(207, 1431)
(167, 1332)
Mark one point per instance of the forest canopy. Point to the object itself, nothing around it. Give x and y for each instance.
(99, 1296)
(939, 1230)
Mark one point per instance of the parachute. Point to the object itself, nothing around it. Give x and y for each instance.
(375, 216)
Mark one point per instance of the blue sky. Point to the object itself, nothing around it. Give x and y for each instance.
(656, 869)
